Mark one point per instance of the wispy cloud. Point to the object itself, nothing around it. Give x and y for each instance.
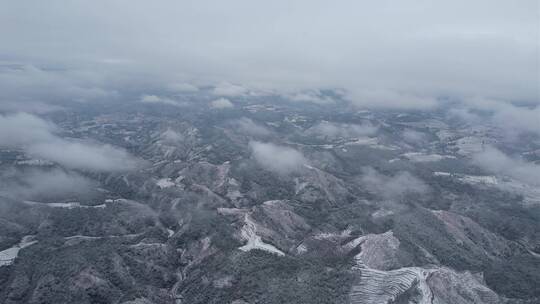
(342, 130)
(154, 99)
(310, 96)
(221, 103)
(37, 138)
(390, 99)
(183, 87)
(279, 159)
(392, 187)
(414, 137)
(511, 119)
(41, 183)
(229, 90)
(248, 126)
(495, 161)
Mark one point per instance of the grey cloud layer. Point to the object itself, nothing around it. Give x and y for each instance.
(385, 54)
(36, 137)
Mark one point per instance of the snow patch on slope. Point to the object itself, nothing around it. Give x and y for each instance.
(419, 157)
(531, 193)
(249, 233)
(165, 183)
(8, 256)
(68, 205)
(378, 251)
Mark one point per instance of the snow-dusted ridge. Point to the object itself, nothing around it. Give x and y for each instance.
(249, 233)
(8, 256)
(68, 205)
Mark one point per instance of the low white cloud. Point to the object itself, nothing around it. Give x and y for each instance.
(28, 85)
(150, 99)
(29, 107)
(518, 119)
(413, 137)
(248, 126)
(392, 187)
(182, 87)
(221, 103)
(389, 99)
(86, 156)
(495, 161)
(229, 89)
(464, 114)
(342, 130)
(279, 159)
(512, 119)
(38, 183)
(160, 100)
(310, 96)
(37, 137)
(23, 129)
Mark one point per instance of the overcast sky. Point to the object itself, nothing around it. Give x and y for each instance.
(383, 53)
